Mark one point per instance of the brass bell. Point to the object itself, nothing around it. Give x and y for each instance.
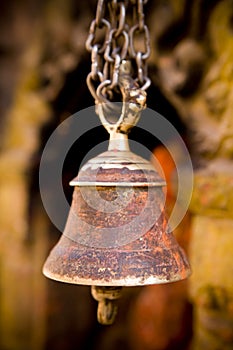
(116, 233)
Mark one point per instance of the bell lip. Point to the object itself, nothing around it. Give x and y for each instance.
(123, 282)
(74, 182)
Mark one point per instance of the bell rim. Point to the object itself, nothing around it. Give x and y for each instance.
(121, 282)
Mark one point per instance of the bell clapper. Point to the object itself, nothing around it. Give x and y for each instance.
(107, 307)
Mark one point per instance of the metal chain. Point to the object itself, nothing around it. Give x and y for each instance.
(117, 33)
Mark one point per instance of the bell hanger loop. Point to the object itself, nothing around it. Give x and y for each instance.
(133, 103)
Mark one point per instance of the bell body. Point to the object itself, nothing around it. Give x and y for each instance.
(116, 232)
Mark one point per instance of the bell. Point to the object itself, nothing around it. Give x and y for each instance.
(116, 233)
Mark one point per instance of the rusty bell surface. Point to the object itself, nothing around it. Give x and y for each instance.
(116, 232)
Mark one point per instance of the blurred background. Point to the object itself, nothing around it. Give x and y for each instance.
(43, 69)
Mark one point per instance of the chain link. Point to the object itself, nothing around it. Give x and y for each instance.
(116, 35)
